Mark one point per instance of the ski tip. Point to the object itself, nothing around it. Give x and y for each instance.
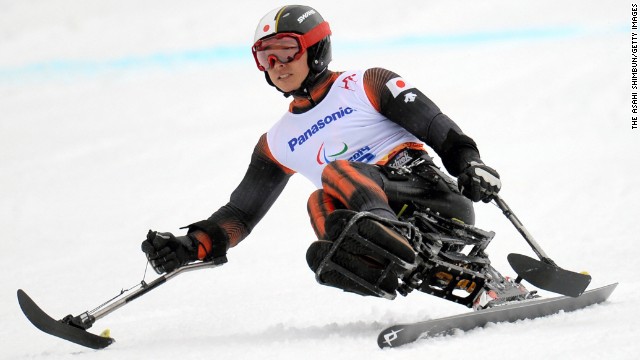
(22, 298)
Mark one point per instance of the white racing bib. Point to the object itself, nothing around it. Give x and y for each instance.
(344, 125)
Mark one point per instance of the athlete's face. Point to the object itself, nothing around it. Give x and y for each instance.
(289, 77)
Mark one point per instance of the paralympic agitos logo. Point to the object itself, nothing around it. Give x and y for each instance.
(318, 126)
(324, 158)
(363, 155)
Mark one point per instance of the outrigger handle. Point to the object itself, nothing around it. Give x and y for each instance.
(506, 210)
(152, 285)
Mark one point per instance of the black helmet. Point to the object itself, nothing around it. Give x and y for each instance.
(301, 20)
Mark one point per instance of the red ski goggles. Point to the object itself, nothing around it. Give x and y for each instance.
(286, 47)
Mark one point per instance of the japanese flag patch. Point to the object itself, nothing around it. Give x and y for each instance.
(398, 85)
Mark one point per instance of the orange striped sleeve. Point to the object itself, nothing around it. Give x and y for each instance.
(375, 80)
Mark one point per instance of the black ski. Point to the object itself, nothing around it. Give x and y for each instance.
(59, 328)
(398, 335)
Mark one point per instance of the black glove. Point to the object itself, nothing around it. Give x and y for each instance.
(167, 252)
(479, 182)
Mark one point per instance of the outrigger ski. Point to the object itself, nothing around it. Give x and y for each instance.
(403, 334)
(544, 274)
(74, 328)
(63, 329)
(548, 276)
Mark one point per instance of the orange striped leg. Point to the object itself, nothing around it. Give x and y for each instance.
(354, 185)
(319, 206)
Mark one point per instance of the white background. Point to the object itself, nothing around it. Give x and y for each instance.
(121, 116)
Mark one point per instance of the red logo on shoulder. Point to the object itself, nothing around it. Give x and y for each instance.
(347, 80)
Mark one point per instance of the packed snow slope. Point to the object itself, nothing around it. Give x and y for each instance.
(121, 116)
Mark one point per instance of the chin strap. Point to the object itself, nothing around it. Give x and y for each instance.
(309, 82)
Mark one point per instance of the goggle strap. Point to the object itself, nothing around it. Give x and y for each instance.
(316, 34)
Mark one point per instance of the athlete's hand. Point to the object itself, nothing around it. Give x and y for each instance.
(479, 182)
(167, 252)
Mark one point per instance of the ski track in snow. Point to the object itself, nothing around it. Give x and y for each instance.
(117, 117)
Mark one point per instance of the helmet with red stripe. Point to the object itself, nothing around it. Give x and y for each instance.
(306, 26)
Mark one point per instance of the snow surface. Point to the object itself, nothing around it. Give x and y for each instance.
(121, 116)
